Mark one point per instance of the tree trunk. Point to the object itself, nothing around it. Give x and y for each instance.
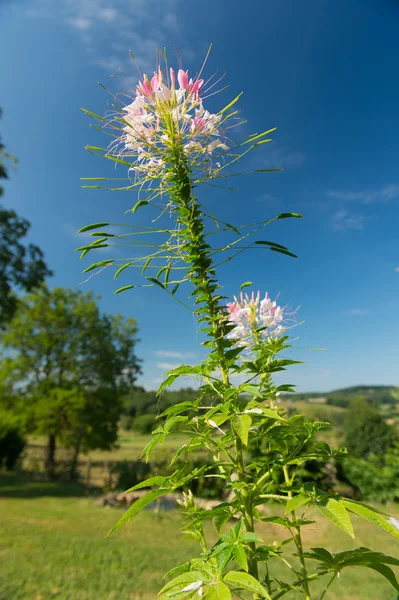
(50, 456)
(75, 456)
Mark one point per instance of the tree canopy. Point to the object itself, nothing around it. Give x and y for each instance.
(69, 365)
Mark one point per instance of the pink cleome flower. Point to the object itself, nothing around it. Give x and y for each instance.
(250, 313)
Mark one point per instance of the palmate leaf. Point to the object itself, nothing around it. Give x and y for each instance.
(360, 557)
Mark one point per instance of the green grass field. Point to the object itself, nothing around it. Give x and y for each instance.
(53, 546)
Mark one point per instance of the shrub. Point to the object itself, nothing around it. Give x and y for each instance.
(12, 440)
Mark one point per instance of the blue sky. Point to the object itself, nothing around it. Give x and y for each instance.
(324, 73)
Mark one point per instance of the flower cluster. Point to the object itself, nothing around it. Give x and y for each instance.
(165, 114)
(254, 319)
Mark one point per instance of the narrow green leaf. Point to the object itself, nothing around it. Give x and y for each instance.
(273, 244)
(122, 268)
(231, 103)
(147, 262)
(241, 424)
(286, 252)
(91, 247)
(123, 289)
(241, 557)
(150, 482)
(255, 136)
(246, 284)
(92, 114)
(138, 204)
(136, 507)
(101, 234)
(370, 515)
(289, 215)
(296, 502)
(337, 513)
(156, 282)
(92, 226)
(246, 582)
(385, 572)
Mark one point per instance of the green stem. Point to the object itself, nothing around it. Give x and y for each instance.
(202, 275)
(247, 510)
(298, 541)
(328, 585)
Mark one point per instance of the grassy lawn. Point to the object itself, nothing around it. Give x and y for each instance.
(53, 546)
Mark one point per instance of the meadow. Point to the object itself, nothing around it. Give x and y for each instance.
(53, 542)
(53, 546)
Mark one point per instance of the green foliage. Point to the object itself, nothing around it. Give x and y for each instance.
(71, 365)
(22, 266)
(376, 478)
(255, 448)
(12, 441)
(366, 431)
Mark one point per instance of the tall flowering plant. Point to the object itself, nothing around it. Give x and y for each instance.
(169, 144)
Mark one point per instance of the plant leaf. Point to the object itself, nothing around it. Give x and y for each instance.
(296, 502)
(123, 289)
(122, 268)
(218, 591)
(92, 226)
(138, 204)
(151, 481)
(241, 557)
(241, 424)
(246, 582)
(337, 513)
(370, 515)
(136, 507)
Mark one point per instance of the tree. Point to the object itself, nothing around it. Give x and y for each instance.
(366, 431)
(72, 364)
(21, 266)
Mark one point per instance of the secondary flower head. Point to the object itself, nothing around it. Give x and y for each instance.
(166, 114)
(254, 319)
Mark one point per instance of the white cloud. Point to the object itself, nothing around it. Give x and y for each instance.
(343, 220)
(80, 23)
(356, 312)
(173, 354)
(167, 366)
(386, 193)
(139, 25)
(282, 157)
(108, 14)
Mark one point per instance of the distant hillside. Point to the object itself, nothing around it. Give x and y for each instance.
(378, 394)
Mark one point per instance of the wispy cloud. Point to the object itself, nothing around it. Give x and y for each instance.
(281, 157)
(166, 366)
(343, 220)
(386, 193)
(173, 354)
(356, 312)
(120, 25)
